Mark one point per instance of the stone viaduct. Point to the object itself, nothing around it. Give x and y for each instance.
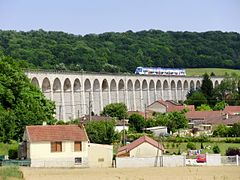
(76, 94)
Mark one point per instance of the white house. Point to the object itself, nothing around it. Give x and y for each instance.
(63, 146)
(142, 147)
(158, 130)
(56, 146)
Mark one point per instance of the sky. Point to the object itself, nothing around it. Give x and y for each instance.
(99, 16)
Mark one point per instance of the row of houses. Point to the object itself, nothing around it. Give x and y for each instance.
(199, 121)
(69, 146)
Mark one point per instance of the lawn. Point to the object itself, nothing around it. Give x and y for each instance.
(216, 71)
(10, 172)
(174, 147)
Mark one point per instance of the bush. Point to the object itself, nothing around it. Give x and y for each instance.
(216, 149)
(191, 146)
(12, 153)
(232, 151)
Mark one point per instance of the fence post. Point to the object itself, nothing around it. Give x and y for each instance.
(237, 159)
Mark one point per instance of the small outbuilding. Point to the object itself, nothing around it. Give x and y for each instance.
(142, 147)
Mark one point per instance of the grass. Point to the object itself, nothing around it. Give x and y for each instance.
(10, 172)
(216, 71)
(5, 147)
(183, 147)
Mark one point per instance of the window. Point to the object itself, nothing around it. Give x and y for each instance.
(78, 160)
(56, 146)
(77, 146)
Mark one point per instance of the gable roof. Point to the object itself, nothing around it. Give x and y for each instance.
(139, 141)
(213, 117)
(232, 109)
(172, 106)
(56, 133)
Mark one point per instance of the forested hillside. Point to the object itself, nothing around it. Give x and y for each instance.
(114, 52)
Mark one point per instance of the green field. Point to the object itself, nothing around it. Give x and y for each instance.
(174, 147)
(216, 71)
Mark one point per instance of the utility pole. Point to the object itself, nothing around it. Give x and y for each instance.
(60, 111)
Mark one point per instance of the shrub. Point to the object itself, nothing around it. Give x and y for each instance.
(12, 153)
(191, 145)
(232, 151)
(216, 149)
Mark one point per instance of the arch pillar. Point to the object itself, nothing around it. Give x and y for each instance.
(84, 100)
(101, 100)
(134, 99)
(63, 106)
(73, 103)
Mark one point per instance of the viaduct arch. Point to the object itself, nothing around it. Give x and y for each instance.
(75, 94)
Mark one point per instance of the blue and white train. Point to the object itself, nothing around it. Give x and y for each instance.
(160, 71)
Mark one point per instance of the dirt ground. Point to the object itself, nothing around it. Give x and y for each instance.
(174, 173)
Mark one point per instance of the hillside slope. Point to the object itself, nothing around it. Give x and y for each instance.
(114, 52)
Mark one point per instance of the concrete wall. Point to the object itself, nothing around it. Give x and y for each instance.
(41, 155)
(213, 159)
(174, 161)
(100, 155)
(158, 161)
(73, 92)
(145, 150)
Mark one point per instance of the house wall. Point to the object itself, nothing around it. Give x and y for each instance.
(157, 107)
(41, 155)
(100, 155)
(145, 150)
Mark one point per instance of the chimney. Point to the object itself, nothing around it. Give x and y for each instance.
(226, 116)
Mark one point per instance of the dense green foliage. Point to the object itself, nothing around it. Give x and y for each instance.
(115, 110)
(172, 120)
(224, 131)
(136, 123)
(21, 103)
(102, 132)
(113, 52)
(216, 149)
(226, 93)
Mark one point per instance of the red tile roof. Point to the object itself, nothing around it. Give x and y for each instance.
(56, 133)
(232, 109)
(139, 141)
(173, 106)
(212, 117)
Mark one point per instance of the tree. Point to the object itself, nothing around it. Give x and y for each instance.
(197, 98)
(235, 130)
(118, 110)
(136, 123)
(220, 106)
(176, 120)
(21, 103)
(207, 88)
(221, 130)
(102, 132)
(204, 107)
(173, 121)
